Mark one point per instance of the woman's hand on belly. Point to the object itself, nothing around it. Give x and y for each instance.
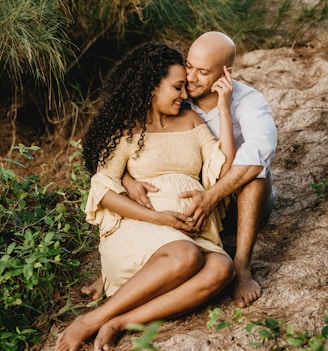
(177, 221)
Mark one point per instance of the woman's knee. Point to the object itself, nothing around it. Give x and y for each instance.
(184, 257)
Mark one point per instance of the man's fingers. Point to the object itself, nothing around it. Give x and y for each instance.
(190, 213)
(200, 223)
(227, 73)
(150, 187)
(184, 218)
(148, 204)
(186, 194)
(144, 201)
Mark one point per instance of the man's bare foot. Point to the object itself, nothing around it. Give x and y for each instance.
(73, 336)
(246, 289)
(95, 290)
(106, 337)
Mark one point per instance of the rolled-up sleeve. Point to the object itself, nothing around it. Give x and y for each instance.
(256, 134)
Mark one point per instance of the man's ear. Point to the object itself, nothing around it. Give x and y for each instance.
(230, 69)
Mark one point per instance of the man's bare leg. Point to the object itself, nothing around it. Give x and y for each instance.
(95, 290)
(206, 283)
(169, 267)
(250, 202)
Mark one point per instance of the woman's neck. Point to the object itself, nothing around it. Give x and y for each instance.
(157, 121)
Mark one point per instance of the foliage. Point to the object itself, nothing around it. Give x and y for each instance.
(145, 342)
(67, 46)
(321, 189)
(34, 41)
(270, 330)
(214, 315)
(43, 229)
(273, 334)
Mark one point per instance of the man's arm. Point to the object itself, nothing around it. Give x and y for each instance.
(203, 202)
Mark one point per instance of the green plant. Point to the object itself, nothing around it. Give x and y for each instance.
(215, 314)
(270, 330)
(34, 41)
(275, 331)
(145, 342)
(321, 189)
(43, 229)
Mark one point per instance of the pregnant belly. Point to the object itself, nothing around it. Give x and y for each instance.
(170, 186)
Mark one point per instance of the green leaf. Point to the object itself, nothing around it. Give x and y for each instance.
(10, 248)
(49, 236)
(222, 325)
(48, 220)
(28, 271)
(317, 344)
(237, 313)
(272, 324)
(324, 332)
(213, 315)
(74, 263)
(60, 208)
(290, 330)
(265, 334)
(249, 327)
(296, 341)
(21, 204)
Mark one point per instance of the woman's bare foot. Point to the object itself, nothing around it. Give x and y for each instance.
(106, 338)
(95, 290)
(73, 336)
(246, 289)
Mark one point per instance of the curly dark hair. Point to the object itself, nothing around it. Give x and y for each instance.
(127, 94)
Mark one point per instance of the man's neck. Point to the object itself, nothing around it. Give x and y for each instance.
(207, 103)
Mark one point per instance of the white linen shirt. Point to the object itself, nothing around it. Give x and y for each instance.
(254, 130)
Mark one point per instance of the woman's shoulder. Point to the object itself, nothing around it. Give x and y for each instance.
(192, 117)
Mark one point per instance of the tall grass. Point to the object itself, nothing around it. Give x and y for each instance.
(57, 51)
(34, 43)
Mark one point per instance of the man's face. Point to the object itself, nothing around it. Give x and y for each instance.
(202, 72)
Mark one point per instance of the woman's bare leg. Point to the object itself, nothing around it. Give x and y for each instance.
(216, 273)
(169, 267)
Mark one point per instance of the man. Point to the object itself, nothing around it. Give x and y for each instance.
(255, 137)
(249, 178)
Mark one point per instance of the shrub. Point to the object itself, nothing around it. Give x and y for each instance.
(43, 228)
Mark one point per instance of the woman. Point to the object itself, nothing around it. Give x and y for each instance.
(151, 267)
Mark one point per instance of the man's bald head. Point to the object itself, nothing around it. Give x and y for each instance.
(217, 47)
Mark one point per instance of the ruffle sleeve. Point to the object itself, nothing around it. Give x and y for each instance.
(96, 214)
(212, 166)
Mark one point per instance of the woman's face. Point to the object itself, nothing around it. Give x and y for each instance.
(168, 96)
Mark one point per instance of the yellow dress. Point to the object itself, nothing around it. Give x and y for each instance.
(171, 161)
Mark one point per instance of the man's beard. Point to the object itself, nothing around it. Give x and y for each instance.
(201, 95)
